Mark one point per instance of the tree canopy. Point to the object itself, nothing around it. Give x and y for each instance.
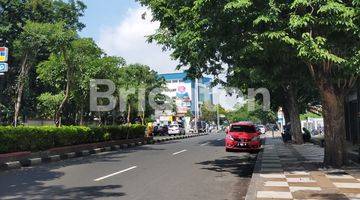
(272, 37)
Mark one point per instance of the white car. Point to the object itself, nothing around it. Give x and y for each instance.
(175, 129)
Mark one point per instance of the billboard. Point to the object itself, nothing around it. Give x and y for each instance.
(4, 54)
(183, 98)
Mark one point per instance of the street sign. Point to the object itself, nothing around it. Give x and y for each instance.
(4, 67)
(4, 52)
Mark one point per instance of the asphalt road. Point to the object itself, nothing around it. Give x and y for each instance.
(194, 168)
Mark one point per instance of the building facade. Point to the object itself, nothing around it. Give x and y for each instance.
(183, 90)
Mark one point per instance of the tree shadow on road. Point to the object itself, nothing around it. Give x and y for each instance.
(27, 183)
(214, 143)
(241, 166)
(22, 186)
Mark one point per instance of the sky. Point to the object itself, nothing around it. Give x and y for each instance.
(118, 28)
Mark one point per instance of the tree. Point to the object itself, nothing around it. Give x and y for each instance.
(63, 69)
(326, 37)
(208, 112)
(97, 66)
(137, 76)
(322, 34)
(20, 18)
(241, 113)
(34, 37)
(48, 104)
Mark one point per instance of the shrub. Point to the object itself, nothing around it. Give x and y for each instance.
(14, 139)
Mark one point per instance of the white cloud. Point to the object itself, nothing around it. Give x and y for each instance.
(128, 40)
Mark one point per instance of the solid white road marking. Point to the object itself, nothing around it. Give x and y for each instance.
(116, 173)
(176, 153)
(204, 144)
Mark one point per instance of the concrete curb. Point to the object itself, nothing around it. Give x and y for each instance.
(253, 186)
(54, 158)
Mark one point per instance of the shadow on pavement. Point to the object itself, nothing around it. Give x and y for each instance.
(22, 186)
(28, 183)
(214, 143)
(241, 165)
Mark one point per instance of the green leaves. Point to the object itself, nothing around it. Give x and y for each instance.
(297, 21)
(48, 103)
(238, 4)
(300, 3)
(314, 50)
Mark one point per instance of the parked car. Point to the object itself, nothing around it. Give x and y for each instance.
(176, 129)
(160, 130)
(242, 136)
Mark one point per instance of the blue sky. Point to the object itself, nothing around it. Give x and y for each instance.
(118, 28)
(104, 13)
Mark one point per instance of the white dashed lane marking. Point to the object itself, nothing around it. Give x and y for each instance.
(116, 173)
(179, 152)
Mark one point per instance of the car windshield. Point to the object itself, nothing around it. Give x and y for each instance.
(242, 128)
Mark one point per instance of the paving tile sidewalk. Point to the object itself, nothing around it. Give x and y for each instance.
(286, 171)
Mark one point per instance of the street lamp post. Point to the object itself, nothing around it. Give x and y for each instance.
(218, 117)
(196, 104)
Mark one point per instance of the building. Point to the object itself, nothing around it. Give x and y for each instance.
(352, 118)
(182, 90)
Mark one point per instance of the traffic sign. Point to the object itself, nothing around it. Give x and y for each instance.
(4, 53)
(4, 67)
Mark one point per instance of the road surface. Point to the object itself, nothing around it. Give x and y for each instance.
(194, 168)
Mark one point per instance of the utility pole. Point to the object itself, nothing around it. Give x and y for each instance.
(218, 116)
(196, 104)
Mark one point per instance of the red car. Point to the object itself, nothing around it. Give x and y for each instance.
(242, 136)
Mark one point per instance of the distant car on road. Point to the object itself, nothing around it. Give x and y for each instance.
(176, 129)
(242, 136)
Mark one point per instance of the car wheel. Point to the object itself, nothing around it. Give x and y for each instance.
(228, 150)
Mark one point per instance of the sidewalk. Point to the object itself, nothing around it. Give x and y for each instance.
(285, 171)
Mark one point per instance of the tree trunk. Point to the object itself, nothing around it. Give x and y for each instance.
(128, 114)
(113, 117)
(66, 97)
(142, 115)
(294, 116)
(333, 102)
(286, 114)
(334, 126)
(81, 123)
(67, 92)
(20, 90)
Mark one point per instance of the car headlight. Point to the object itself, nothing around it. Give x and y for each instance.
(257, 138)
(230, 137)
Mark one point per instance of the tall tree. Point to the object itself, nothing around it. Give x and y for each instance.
(35, 36)
(16, 16)
(326, 36)
(323, 34)
(138, 76)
